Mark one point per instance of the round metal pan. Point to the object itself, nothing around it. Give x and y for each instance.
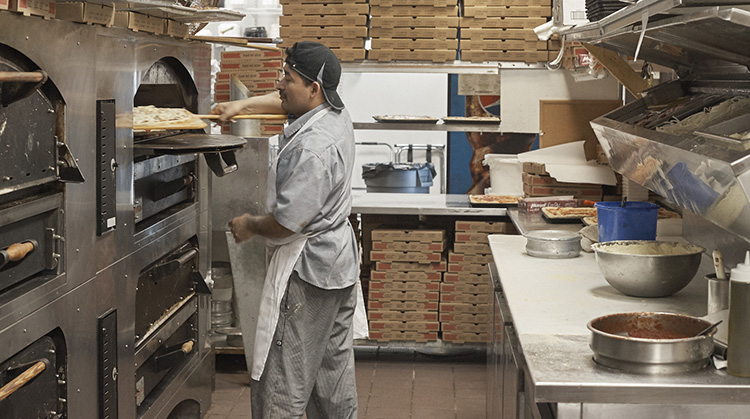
(651, 343)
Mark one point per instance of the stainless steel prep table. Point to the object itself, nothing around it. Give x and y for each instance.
(550, 301)
(418, 204)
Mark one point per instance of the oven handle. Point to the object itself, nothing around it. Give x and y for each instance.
(173, 355)
(22, 379)
(23, 77)
(169, 267)
(214, 163)
(17, 251)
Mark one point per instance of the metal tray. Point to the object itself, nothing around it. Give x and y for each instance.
(420, 119)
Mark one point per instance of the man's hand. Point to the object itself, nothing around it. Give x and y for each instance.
(241, 227)
(228, 110)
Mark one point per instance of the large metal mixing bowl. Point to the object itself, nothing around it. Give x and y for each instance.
(651, 343)
(644, 268)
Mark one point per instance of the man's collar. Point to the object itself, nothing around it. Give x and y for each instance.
(297, 123)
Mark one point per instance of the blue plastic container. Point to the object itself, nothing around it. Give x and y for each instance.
(635, 221)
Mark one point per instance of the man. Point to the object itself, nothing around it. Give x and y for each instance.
(309, 297)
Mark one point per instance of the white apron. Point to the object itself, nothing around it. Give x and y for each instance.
(285, 252)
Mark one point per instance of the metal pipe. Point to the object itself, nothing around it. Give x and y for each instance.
(24, 77)
(390, 147)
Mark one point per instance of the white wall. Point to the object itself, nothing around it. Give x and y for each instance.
(521, 91)
(369, 94)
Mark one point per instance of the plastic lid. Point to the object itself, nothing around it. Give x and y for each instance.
(741, 272)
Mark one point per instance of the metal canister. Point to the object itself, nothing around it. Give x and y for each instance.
(718, 293)
(738, 357)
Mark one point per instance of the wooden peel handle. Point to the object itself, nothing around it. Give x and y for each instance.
(18, 251)
(259, 116)
(187, 347)
(17, 76)
(22, 379)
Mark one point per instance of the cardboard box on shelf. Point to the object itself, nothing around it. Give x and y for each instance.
(286, 2)
(404, 316)
(591, 192)
(474, 238)
(252, 54)
(325, 20)
(465, 288)
(221, 97)
(419, 296)
(525, 56)
(535, 204)
(404, 305)
(410, 246)
(404, 326)
(414, 33)
(403, 336)
(464, 308)
(325, 9)
(100, 14)
(484, 226)
(468, 278)
(271, 129)
(415, 22)
(4, 4)
(547, 180)
(465, 298)
(404, 286)
(419, 257)
(43, 8)
(411, 276)
(221, 87)
(243, 75)
(463, 247)
(305, 32)
(350, 54)
(257, 65)
(495, 3)
(490, 34)
(464, 327)
(469, 258)
(463, 317)
(416, 55)
(138, 22)
(408, 235)
(503, 44)
(534, 168)
(484, 12)
(413, 11)
(434, 3)
(176, 29)
(503, 22)
(476, 268)
(465, 337)
(407, 43)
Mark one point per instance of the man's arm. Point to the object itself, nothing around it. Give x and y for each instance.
(267, 104)
(246, 226)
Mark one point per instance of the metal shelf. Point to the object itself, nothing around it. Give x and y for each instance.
(410, 126)
(455, 67)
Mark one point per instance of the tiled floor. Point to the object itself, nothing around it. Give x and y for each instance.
(391, 384)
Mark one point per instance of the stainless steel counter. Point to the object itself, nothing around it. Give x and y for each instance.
(552, 300)
(418, 204)
(526, 222)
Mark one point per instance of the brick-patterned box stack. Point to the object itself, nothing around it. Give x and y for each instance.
(465, 293)
(414, 30)
(341, 25)
(538, 182)
(404, 285)
(503, 30)
(258, 70)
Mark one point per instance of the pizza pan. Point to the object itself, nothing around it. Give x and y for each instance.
(651, 343)
(553, 244)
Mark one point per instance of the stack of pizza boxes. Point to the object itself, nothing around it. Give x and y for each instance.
(503, 30)
(538, 182)
(341, 25)
(404, 286)
(466, 293)
(258, 70)
(414, 30)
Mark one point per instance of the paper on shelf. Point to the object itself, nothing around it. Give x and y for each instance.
(567, 163)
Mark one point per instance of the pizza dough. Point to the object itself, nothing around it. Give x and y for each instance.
(493, 199)
(567, 212)
(151, 115)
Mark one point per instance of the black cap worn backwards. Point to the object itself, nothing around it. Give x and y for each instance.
(316, 62)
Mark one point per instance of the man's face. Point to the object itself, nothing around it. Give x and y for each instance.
(296, 95)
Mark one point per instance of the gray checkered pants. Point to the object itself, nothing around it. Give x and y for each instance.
(310, 366)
